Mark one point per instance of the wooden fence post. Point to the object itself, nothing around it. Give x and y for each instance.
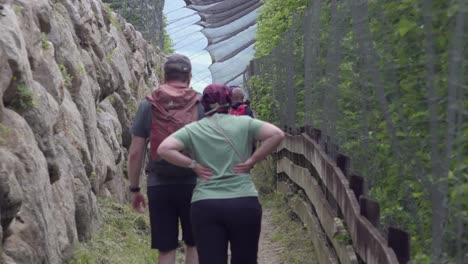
(356, 183)
(315, 134)
(344, 163)
(302, 129)
(370, 209)
(399, 241)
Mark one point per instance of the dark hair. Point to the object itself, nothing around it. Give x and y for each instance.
(216, 98)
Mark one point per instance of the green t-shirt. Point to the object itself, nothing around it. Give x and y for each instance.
(207, 145)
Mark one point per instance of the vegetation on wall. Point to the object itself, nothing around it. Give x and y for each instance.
(24, 99)
(168, 47)
(393, 113)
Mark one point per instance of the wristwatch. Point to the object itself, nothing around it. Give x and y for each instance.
(134, 189)
(193, 164)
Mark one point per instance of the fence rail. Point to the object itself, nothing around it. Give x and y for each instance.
(326, 199)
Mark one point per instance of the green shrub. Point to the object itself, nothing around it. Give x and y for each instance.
(168, 45)
(23, 100)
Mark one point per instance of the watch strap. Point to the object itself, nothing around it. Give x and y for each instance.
(134, 189)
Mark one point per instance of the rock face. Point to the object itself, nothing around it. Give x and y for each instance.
(71, 76)
(145, 15)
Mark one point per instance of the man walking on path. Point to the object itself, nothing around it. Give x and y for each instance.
(238, 106)
(170, 187)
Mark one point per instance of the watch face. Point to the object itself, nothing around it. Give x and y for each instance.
(193, 164)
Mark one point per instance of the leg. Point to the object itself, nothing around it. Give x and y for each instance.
(164, 223)
(167, 257)
(209, 232)
(244, 222)
(191, 255)
(184, 204)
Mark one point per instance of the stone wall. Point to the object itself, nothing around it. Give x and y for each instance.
(71, 75)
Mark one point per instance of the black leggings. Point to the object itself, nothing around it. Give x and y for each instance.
(216, 222)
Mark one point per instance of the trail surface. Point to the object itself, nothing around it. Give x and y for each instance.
(269, 251)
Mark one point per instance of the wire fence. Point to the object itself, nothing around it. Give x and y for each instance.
(386, 81)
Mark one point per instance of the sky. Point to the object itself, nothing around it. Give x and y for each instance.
(188, 40)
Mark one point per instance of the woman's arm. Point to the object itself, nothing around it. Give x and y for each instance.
(271, 136)
(170, 149)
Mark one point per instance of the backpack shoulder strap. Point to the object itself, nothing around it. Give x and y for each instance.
(201, 111)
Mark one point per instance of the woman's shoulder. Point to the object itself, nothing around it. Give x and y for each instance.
(235, 117)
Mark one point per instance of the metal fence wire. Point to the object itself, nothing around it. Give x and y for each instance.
(386, 81)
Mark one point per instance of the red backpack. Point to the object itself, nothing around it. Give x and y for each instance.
(239, 111)
(172, 108)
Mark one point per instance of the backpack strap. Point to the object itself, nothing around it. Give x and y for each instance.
(201, 111)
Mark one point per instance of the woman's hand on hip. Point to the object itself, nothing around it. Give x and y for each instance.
(202, 172)
(244, 167)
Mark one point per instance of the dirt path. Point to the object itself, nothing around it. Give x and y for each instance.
(269, 251)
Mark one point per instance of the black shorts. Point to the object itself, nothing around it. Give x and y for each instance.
(167, 204)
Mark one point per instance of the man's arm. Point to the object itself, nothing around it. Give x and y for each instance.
(135, 161)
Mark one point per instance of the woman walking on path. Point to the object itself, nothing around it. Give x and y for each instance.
(225, 207)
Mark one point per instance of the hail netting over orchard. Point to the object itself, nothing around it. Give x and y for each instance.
(230, 27)
(386, 81)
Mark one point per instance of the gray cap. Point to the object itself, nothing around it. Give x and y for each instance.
(177, 63)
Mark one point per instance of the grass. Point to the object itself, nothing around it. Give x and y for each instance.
(132, 107)
(24, 99)
(44, 41)
(112, 18)
(17, 9)
(110, 56)
(158, 72)
(81, 69)
(288, 230)
(4, 133)
(123, 237)
(67, 78)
